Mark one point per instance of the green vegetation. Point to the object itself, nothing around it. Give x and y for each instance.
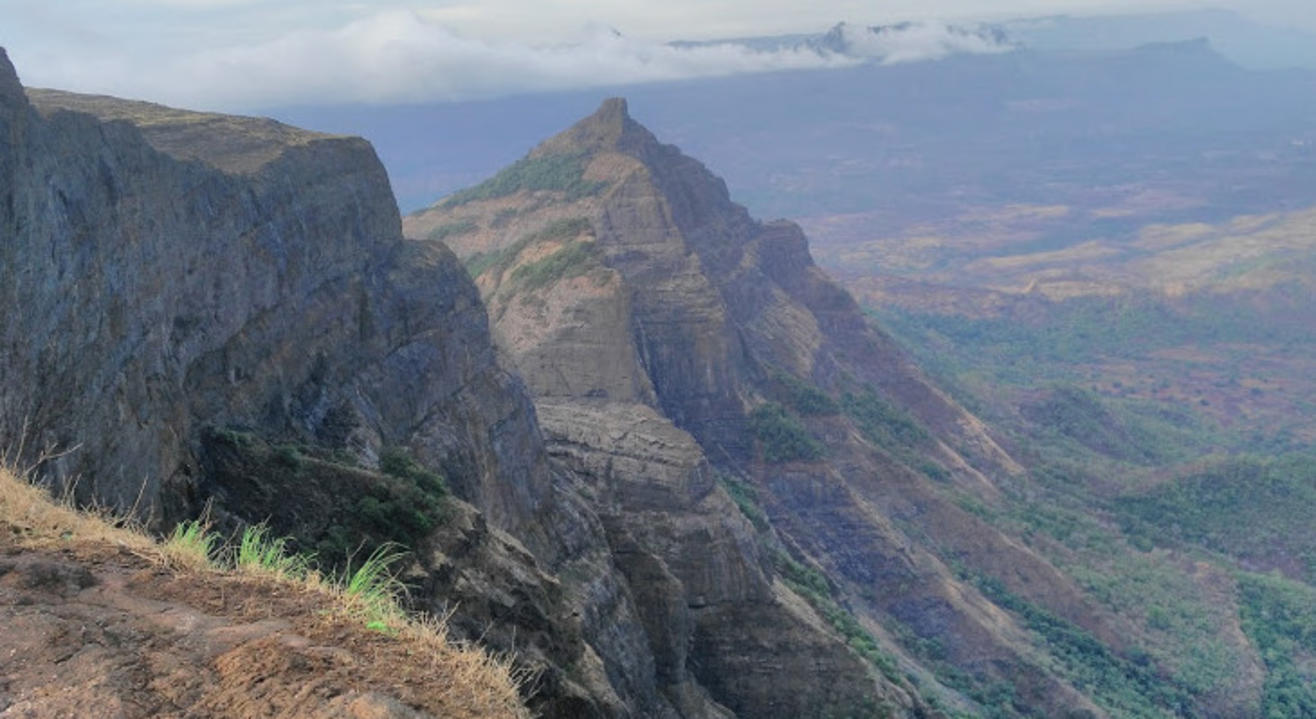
(1279, 617)
(570, 261)
(478, 263)
(260, 553)
(556, 231)
(452, 229)
(892, 429)
(1140, 495)
(399, 513)
(1074, 332)
(883, 423)
(375, 588)
(783, 437)
(192, 539)
(746, 499)
(557, 173)
(1081, 416)
(1180, 625)
(347, 510)
(1258, 509)
(803, 396)
(397, 462)
(814, 587)
(1127, 688)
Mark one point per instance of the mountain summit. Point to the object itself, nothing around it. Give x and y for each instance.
(658, 325)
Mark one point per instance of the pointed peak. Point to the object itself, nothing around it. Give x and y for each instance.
(609, 129)
(11, 90)
(613, 111)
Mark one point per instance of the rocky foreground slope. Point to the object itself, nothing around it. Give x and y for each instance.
(103, 621)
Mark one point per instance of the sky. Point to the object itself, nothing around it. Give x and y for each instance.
(243, 54)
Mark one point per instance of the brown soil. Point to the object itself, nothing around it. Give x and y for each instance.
(95, 630)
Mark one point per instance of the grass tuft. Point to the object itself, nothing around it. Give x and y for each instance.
(374, 588)
(474, 683)
(259, 553)
(192, 544)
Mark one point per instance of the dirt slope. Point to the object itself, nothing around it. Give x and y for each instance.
(99, 623)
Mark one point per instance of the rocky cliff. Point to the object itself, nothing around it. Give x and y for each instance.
(642, 307)
(220, 313)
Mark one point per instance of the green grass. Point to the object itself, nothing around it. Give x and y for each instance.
(783, 437)
(374, 586)
(371, 588)
(559, 173)
(260, 553)
(192, 541)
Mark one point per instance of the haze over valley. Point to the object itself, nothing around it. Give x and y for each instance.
(710, 361)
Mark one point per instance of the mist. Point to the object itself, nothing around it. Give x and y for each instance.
(400, 56)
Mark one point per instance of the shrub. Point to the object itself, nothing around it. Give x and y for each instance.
(747, 500)
(452, 229)
(570, 261)
(804, 397)
(882, 422)
(561, 173)
(397, 462)
(784, 438)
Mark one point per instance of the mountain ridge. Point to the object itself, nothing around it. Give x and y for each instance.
(729, 318)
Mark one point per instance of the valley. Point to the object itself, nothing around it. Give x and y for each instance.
(1013, 420)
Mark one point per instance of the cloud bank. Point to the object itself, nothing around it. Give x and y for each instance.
(919, 41)
(400, 57)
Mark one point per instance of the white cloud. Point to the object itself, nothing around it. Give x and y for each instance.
(917, 41)
(398, 56)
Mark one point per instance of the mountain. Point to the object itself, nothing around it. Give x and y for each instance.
(1243, 40)
(626, 434)
(234, 326)
(622, 282)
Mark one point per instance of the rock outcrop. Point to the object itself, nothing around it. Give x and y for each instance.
(641, 305)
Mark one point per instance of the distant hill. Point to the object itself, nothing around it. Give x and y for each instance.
(1249, 43)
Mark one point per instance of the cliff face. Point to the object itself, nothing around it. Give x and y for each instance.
(200, 310)
(257, 280)
(641, 305)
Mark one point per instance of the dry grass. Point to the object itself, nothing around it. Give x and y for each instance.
(411, 655)
(232, 143)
